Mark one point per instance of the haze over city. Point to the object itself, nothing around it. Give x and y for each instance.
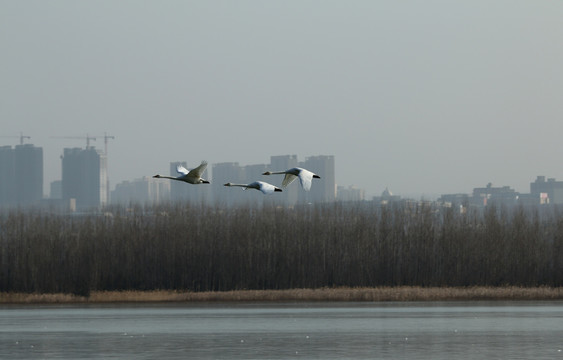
(425, 97)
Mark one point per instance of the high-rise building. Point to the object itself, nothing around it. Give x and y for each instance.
(143, 191)
(7, 176)
(28, 174)
(323, 189)
(21, 175)
(84, 177)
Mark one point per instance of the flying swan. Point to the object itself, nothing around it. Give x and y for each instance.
(304, 175)
(189, 176)
(264, 187)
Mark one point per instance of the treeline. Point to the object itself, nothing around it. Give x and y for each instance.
(202, 248)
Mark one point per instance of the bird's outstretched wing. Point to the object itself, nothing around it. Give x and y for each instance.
(288, 179)
(306, 178)
(181, 170)
(198, 171)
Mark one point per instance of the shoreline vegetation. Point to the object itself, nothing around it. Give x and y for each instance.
(319, 252)
(381, 294)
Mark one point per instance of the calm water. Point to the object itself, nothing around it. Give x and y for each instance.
(438, 330)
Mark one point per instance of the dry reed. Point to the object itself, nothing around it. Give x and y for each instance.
(342, 294)
(192, 252)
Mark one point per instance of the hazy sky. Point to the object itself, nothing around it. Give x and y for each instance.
(423, 97)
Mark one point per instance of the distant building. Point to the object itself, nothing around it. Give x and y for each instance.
(386, 197)
(454, 199)
(547, 192)
(21, 175)
(84, 177)
(530, 200)
(500, 195)
(29, 174)
(7, 176)
(542, 192)
(253, 173)
(56, 190)
(351, 193)
(146, 190)
(55, 200)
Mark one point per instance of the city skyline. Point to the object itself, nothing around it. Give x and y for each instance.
(84, 183)
(422, 98)
(84, 180)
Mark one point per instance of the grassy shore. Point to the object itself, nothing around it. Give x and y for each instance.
(404, 293)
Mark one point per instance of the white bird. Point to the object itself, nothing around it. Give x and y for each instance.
(305, 176)
(192, 176)
(264, 187)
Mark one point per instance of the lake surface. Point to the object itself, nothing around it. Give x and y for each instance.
(420, 330)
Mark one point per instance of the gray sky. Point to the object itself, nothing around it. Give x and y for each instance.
(423, 97)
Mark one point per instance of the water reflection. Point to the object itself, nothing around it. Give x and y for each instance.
(437, 330)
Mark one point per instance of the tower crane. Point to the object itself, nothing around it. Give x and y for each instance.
(106, 137)
(21, 137)
(87, 137)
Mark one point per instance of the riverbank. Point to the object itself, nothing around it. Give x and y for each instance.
(403, 293)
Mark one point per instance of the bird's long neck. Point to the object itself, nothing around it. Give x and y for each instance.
(167, 177)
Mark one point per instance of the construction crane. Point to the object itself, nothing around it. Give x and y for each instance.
(21, 137)
(87, 137)
(106, 137)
